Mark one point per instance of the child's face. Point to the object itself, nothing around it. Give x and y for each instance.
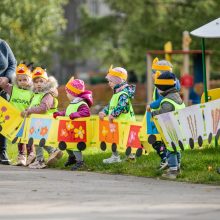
(69, 96)
(39, 84)
(23, 81)
(111, 84)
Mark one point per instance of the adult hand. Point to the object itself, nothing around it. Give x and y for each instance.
(3, 81)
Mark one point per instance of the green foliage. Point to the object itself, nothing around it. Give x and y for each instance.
(32, 28)
(135, 26)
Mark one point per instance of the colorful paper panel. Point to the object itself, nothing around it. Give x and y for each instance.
(108, 132)
(72, 131)
(133, 139)
(10, 119)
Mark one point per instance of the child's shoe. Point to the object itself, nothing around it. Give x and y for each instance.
(30, 159)
(170, 174)
(78, 165)
(130, 158)
(112, 159)
(57, 154)
(21, 160)
(70, 161)
(37, 165)
(163, 165)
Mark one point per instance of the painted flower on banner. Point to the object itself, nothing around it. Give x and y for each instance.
(132, 136)
(3, 109)
(112, 127)
(32, 130)
(64, 133)
(7, 117)
(79, 132)
(104, 131)
(43, 131)
(69, 125)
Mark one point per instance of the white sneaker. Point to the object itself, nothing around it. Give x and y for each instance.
(112, 159)
(30, 159)
(56, 155)
(21, 160)
(37, 165)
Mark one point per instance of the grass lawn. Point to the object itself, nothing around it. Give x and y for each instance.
(198, 166)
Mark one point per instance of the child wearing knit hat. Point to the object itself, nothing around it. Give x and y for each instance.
(171, 101)
(43, 102)
(161, 66)
(20, 93)
(80, 102)
(119, 106)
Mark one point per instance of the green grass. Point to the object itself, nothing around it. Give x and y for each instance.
(198, 166)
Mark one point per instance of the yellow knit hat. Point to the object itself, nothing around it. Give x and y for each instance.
(38, 72)
(156, 66)
(22, 69)
(120, 74)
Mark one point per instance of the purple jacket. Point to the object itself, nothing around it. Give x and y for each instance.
(83, 110)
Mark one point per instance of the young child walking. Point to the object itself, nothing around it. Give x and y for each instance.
(20, 93)
(80, 102)
(171, 101)
(120, 106)
(161, 66)
(43, 103)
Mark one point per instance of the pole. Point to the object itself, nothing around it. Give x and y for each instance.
(204, 70)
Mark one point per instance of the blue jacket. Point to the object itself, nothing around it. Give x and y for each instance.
(8, 62)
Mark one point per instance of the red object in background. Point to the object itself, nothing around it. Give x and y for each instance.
(186, 80)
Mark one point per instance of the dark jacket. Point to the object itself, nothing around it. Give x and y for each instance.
(172, 94)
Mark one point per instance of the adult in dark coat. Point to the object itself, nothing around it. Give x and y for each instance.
(7, 69)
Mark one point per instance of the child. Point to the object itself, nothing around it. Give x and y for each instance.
(80, 102)
(171, 101)
(43, 103)
(162, 66)
(20, 93)
(120, 104)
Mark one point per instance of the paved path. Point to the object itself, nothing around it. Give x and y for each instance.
(55, 194)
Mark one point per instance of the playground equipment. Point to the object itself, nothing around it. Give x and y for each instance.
(210, 30)
(185, 73)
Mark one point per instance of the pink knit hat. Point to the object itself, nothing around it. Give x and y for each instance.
(75, 86)
(117, 75)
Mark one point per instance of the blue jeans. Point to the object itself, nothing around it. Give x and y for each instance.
(40, 152)
(174, 159)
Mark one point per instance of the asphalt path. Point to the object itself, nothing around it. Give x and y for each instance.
(57, 194)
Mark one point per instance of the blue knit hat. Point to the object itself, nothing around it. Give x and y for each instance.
(164, 81)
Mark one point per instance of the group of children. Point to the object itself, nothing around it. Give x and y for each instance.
(34, 92)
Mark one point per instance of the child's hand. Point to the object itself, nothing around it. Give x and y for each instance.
(148, 108)
(56, 114)
(24, 114)
(101, 115)
(111, 118)
(72, 116)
